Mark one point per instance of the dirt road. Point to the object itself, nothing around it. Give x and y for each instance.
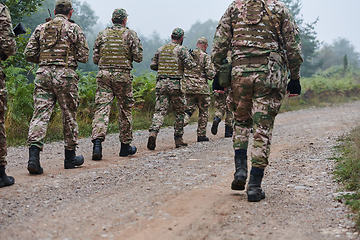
(184, 193)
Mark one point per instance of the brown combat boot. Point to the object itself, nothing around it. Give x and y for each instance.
(179, 142)
(152, 140)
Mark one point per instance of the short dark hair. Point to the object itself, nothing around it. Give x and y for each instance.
(62, 11)
(176, 38)
(117, 21)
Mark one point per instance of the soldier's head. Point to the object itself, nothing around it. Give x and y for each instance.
(202, 43)
(119, 16)
(178, 35)
(63, 7)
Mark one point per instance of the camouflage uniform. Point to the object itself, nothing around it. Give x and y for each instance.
(57, 46)
(169, 61)
(7, 48)
(114, 50)
(197, 87)
(221, 106)
(259, 78)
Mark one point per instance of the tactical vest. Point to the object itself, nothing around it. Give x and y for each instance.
(198, 71)
(168, 64)
(54, 48)
(115, 53)
(252, 27)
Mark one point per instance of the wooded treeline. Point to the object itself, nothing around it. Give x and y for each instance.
(317, 56)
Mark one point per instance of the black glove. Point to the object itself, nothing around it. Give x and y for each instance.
(294, 86)
(191, 52)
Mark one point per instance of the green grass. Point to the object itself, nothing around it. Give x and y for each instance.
(347, 171)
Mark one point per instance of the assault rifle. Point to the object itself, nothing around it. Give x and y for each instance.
(49, 18)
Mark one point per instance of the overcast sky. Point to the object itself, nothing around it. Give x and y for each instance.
(336, 18)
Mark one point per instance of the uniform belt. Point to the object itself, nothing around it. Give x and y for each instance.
(262, 60)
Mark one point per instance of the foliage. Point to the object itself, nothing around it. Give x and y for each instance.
(144, 92)
(20, 105)
(347, 170)
(333, 54)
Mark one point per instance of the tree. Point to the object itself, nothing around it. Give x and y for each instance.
(309, 42)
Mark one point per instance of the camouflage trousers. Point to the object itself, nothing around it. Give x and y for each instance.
(110, 85)
(254, 106)
(222, 108)
(3, 104)
(202, 101)
(55, 84)
(176, 98)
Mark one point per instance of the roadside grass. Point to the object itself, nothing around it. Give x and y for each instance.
(347, 171)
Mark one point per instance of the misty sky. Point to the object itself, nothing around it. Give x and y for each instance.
(336, 18)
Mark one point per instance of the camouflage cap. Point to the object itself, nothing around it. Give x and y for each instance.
(63, 4)
(202, 40)
(178, 33)
(119, 14)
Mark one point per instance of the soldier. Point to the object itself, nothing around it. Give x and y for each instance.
(169, 61)
(57, 46)
(220, 95)
(263, 39)
(115, 49)
(197, 88)
(7, 48)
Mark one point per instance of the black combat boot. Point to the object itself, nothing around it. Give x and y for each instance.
(240, 174)
(228, 131)
(127, 150)
(214, 127)
(254, 191)
(5, 180)
(97, 150)
(34, 160)
(71, 160)
(202, 139)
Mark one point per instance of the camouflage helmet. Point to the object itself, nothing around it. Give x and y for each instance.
(63, 5)
(202, 40)
(119, 14)
(177, 33)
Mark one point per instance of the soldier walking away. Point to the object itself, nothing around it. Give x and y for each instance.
(57, 46)
(7, 48)
(169, 61)
(197, 88)
(265, 44)
(220, 95)
(115, 49)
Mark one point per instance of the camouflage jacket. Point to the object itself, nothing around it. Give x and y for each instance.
(197, 78)
(234, 34)
(129, 40)
(7, 36)
(165, 83)
(77, 49)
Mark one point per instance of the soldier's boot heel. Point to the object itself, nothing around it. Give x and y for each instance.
(5, 180)
(71, 160)
(254, 191)
(127, 150)
(214, 127)
(151, 144)
(228, 131)
(97, 150)
(34, 161)
(240, 174)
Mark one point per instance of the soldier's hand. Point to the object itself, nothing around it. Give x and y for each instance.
(294, 87)
(191, 52)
